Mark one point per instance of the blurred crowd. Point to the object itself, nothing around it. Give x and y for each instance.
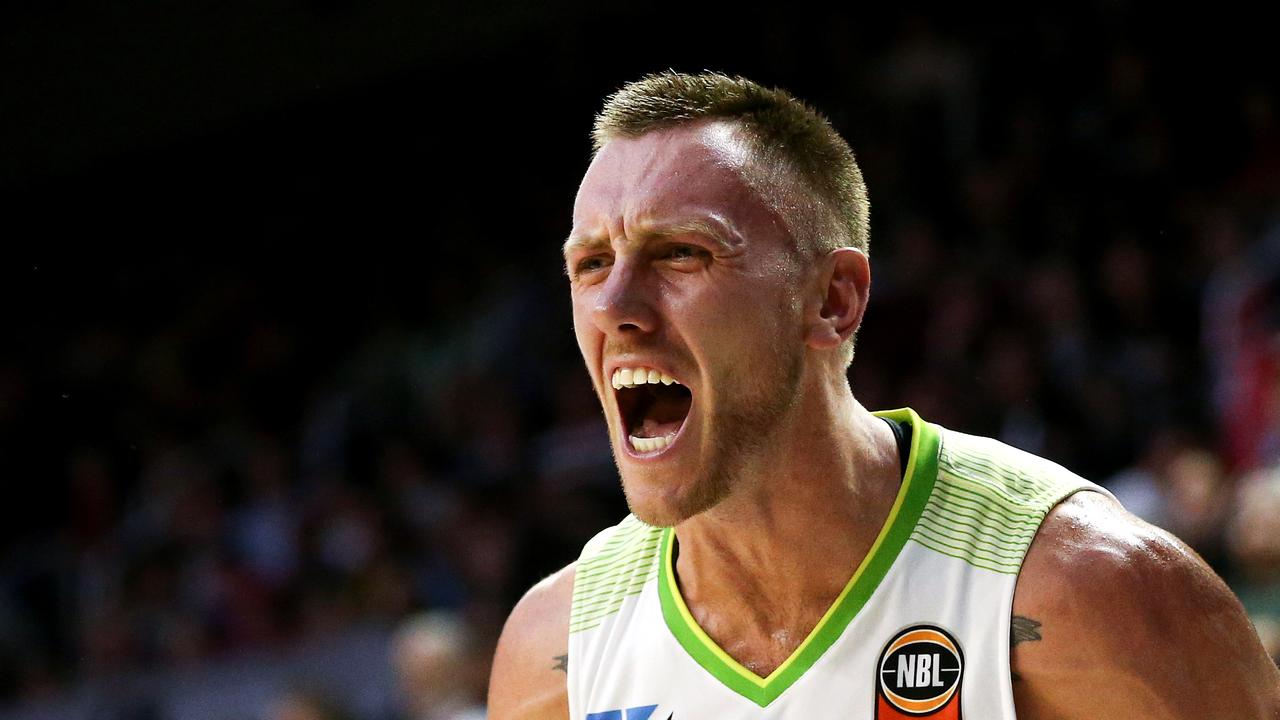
(1059, 262)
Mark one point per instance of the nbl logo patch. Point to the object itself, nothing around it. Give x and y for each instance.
(918, 675)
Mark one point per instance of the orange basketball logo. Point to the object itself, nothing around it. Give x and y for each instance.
(919, 674)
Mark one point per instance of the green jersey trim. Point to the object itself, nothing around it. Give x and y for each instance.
(917, 485)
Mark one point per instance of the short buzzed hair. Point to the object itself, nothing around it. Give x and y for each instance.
(821, 194)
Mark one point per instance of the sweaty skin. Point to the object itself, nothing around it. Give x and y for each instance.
(670, 244)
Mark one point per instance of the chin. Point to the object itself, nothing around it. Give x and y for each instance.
(667, 507)
(657, 514)
(654, 508)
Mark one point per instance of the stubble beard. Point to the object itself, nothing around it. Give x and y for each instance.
(739, 437)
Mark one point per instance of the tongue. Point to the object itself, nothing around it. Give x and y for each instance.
(650, 428)
(664, 416)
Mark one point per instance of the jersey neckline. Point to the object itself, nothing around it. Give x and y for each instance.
(917, 484)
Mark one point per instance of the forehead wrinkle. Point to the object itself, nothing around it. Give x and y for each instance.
(712, 226)
(709, 225)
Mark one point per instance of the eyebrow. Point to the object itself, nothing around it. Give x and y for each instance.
(712, 227)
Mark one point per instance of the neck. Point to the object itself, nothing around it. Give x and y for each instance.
(779, 550)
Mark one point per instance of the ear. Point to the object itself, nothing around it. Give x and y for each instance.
(844, 285)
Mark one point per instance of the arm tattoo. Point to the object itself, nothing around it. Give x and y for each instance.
(562, 663)
(1024, 629)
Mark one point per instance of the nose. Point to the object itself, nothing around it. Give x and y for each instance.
(625, 303)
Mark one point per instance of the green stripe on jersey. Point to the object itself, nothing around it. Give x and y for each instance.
(615, 565)
(912, 495)
(989, 500)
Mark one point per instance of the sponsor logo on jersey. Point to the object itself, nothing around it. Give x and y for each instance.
(636, 713)
(919, 674)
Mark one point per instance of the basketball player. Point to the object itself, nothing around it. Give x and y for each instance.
(791, 555)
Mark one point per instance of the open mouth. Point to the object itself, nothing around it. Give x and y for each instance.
(653, 407)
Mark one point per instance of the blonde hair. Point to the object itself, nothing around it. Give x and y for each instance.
(804, 168)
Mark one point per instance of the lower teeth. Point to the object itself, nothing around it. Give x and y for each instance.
(650, 444)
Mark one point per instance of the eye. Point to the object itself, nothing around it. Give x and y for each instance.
(588, 264)
(683, 253)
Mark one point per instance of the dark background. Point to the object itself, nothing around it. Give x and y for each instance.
(288, 352)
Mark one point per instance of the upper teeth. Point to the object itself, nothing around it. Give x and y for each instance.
(631, 377)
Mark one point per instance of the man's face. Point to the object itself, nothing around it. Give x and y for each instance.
(679, 269)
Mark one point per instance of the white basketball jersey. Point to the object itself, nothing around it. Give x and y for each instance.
(921, 629)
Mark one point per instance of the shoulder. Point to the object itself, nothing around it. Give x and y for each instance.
(529, 679)
(530, 666)
(1120, 619)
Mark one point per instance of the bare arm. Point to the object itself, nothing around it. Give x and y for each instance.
(1114, 618)
(530, 667)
